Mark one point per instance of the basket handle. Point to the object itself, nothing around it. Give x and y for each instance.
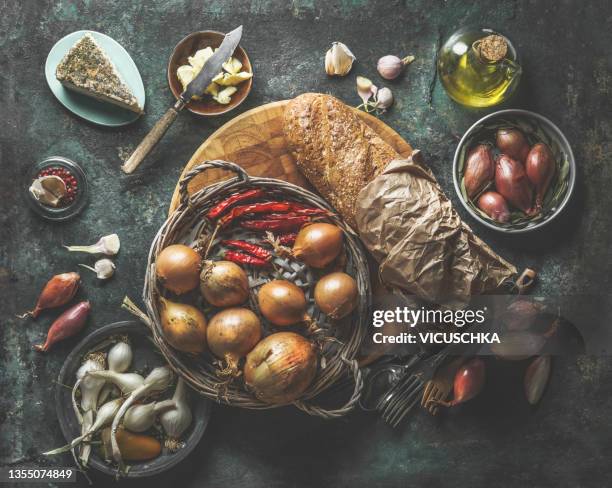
(353, 365)
(241, 174)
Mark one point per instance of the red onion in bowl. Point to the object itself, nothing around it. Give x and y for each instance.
(495, 206)
(512, 183)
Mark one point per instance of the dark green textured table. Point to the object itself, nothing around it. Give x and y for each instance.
(565, 45)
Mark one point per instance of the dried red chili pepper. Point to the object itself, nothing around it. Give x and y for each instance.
(250, 248)
(288, 224)
(242, 258)
(287, 239)
(253, 208)
(242, 196)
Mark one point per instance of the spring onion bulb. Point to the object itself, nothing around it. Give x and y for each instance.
(159, 379)
(176, 421)
(126, 382)
(139, 418)
(119, 360)
(106, 414)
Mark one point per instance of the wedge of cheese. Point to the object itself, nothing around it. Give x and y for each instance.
(87, 69)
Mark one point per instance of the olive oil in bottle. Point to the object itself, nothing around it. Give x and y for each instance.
(478, 67)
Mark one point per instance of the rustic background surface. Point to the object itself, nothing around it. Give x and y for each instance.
(566, 441)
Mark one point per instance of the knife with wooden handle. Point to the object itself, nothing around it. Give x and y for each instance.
(211, 68)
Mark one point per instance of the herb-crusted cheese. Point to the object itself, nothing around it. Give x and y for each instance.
(87, 69)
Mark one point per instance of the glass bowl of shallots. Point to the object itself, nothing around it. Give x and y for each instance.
(514, 171)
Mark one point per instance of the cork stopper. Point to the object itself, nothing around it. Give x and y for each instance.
(492, 48)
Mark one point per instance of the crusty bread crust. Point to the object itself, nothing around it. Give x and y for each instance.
(336, 152)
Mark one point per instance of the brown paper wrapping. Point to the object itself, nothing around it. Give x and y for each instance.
(419, 241)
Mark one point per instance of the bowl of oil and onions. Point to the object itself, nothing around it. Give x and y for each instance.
(122, 409)
(514, 171)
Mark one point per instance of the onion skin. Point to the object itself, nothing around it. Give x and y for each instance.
(336, 294)
(479, 170)
(513, 143)
(541, 167)
(224, 284)
(231, 335)
(178, 268)
(184, 326)
(281, 367)
(512, 183)
(318, 244)
(66, 325)
(282, 303)
(495, 206)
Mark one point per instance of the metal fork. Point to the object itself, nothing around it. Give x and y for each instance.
(441, 384)
(400, 399)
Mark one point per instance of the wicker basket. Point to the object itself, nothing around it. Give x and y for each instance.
(187, 224)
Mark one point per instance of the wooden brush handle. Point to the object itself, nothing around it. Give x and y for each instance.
(152, 138)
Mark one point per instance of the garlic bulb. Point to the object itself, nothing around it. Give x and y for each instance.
(390, 67)
(339, 60)
(104, 268)
(49, 190)
(384, 99)
(176, 421)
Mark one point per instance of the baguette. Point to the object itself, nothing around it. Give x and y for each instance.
(336, 152)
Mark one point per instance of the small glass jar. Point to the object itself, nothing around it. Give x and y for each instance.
(68, 210)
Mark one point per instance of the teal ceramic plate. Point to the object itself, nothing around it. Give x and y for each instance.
(87, 107)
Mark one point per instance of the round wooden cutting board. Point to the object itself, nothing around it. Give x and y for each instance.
(255, 141)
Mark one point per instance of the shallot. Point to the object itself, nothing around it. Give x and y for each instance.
(517, 345)
(479, 170)
(133, 447)
(541, 168)
(177, 420)
(536, 378)
(231, 335)
(159, 379)
(512, 142)
(512, 183)
(494, 205)
(521, 314)
(58, 291)
(66, 325)
(281, 367)
(184, 326)
(468, 383)
(178, 268)
(224, 284)
(108, 245)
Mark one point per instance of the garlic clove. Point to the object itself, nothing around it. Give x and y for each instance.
(49, 190)
(104, 268)
(366, 90)
(384, 98)
(339, 60)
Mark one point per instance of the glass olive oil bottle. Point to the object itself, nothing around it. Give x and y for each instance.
(478, 67)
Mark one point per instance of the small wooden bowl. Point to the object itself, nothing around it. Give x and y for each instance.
(187, 47)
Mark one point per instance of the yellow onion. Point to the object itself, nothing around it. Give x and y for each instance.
(184, 326)
(178, 268)
(231, 335)
(282, 303)
(281, 367)
(318, 244)
(224, 284)
(336, 294)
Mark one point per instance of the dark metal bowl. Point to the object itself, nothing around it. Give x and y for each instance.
(146, 357)
(537, 128)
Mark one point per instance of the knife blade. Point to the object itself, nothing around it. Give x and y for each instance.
(213, 66)
(197, 86)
